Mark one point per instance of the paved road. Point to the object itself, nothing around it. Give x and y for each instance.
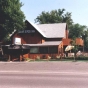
(44, 75)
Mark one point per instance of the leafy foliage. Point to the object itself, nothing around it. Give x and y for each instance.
(54, 16)
(11, 17)
(79, 31)
(76, 31)
(59, 16)
(85, 38)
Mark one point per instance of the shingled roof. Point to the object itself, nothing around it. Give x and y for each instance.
(54, 30)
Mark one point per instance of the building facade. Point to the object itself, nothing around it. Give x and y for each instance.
(45, 40)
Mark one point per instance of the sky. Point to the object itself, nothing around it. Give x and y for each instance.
(78, 8)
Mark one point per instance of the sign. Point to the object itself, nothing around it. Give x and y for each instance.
(17, 41)
(71, 54)
(27, 31)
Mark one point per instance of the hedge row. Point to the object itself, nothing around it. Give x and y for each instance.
(63, 59)
(77, 58)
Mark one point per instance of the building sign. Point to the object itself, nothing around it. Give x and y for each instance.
(17, 41)
(27, 31)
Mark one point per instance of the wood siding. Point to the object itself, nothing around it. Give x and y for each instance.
(26, 38)
(79, 41)
(66, 41)
(35, 38)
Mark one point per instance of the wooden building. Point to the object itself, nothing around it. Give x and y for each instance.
(45, 40)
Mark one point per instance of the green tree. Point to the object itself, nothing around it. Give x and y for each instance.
(79, 31)
(75, 49)
(85, 38)
(76, 31)
(11, 17)
(54, 16)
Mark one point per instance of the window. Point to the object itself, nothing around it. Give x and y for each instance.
(53, 49)
(34, 50)
(43, 50)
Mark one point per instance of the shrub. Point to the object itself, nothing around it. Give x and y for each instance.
(82, 58)
(27, 59)
(49, 57)
(77, 58)
(58, 57)
(38, 57)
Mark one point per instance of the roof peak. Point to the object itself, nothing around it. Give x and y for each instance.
(52, 30)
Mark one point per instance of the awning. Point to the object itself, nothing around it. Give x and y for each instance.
(69, 47)
(15, 46)
(47, 43)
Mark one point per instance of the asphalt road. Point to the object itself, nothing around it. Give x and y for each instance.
(44, 75)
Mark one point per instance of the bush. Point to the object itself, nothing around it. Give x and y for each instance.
(3, 59)
(38, 58)
(77, 58)
(27, 59)
(82, 58)
(69, 58)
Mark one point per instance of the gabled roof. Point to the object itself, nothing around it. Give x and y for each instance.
(54, 30)
(38, 29)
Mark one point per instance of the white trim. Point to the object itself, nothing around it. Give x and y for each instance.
(35, 26)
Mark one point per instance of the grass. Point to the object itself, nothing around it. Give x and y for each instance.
(63, 59)
(39, 60)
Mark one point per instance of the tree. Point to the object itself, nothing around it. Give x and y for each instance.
(79, 31)
(76, 31)
(75, 49)
(54, 16)
(59, 16)
(11, 17)
(85, 38)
